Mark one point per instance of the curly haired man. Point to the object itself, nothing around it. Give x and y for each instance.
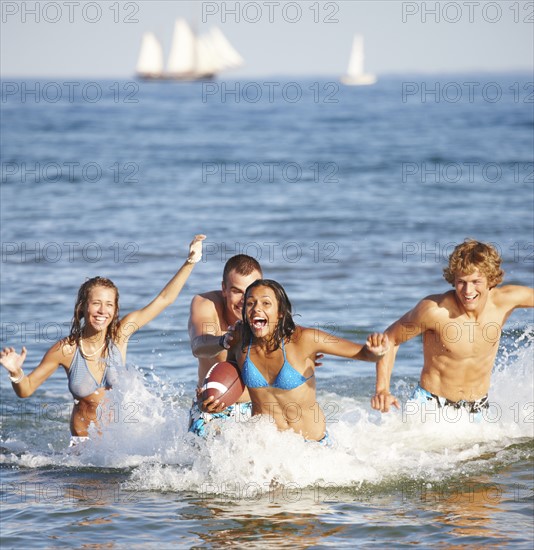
(460, 329)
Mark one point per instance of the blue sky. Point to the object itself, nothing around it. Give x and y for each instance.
(102, 38)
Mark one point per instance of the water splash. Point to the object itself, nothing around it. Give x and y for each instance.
(147, 433)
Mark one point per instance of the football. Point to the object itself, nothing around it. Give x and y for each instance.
(224, 383)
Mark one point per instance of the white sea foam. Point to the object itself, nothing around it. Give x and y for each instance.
(369, 447)
(147, 431)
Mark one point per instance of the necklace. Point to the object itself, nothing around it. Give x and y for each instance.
(91, 354)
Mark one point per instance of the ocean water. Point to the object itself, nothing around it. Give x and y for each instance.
(352, 198)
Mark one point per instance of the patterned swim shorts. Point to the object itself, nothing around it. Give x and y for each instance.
(476, 408)
(239, 412)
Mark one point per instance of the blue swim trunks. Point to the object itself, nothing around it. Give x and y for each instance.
(326, 441)
(476, 408)
(239, 412)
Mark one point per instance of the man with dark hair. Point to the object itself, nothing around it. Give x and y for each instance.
(212, 319)
(461, 330)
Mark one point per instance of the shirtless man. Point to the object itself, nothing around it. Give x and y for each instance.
(461, 330)
(211, 325)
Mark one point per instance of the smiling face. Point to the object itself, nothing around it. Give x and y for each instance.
(233, 291)
(472, 256)
(262, 312)
(100, 308)
(472, 290)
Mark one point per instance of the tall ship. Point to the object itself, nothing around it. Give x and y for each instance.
(192, 57)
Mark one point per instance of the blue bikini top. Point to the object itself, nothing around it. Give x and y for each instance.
(287, 379)
(82, 383)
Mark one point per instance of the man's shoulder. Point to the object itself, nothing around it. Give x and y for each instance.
(213, 296)
(436, 301)
(511, 295)
(207, 304)
(436, 305)
(508, 290)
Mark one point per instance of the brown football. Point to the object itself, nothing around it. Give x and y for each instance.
(224, 383)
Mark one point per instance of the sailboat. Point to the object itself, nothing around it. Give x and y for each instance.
(191, 57)
(355, 75)
(150, 62)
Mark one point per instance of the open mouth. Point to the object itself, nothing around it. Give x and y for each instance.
(470, 298)
(100, 320)
(259, 322)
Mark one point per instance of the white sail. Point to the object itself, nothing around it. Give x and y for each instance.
(182, 59)
(215, 54)
(208, 61)
(356, 57)
(150, 62)
(355, 73)
(226, 51)
(191, 57)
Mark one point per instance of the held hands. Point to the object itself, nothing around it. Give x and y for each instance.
(195, 249)
(382, 401)
(378, 344)
(12, 361)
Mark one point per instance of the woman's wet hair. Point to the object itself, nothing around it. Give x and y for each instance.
(78, 320)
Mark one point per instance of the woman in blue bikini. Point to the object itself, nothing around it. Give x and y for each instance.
(94, 353)
(277, 360)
